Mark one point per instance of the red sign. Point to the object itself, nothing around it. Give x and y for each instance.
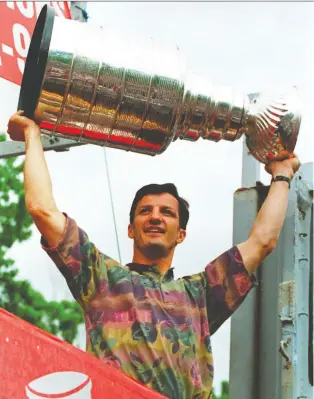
(17, 22)
(37, 365)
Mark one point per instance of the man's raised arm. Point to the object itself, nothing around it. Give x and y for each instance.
(38, 188)
(269, 221)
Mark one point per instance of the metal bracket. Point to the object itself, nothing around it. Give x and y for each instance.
(15, 148)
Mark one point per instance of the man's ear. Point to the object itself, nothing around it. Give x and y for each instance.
(181, 236)
(130, 231)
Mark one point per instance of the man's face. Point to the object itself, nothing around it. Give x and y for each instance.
(155, 229)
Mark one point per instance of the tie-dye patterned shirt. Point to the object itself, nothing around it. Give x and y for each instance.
(154, 328)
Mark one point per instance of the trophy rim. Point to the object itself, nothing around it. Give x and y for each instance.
(36, 61)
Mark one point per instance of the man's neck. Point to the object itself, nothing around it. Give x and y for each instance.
(163, 263)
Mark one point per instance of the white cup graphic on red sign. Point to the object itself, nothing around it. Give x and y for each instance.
(64, 384)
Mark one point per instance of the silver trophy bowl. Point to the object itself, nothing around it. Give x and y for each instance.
(88, 84)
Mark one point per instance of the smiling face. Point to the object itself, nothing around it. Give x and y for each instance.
(155, 229)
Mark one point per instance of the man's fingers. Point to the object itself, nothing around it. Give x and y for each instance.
(17, 114)
(279, 157)
(267, 168)
(296, 164)
(20, 120)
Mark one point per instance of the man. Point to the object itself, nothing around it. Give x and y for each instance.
(138, 318)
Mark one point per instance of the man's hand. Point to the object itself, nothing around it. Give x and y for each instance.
(285, 167)
(20, 127)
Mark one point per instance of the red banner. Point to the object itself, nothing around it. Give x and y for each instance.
(37, 365)
(17, 22)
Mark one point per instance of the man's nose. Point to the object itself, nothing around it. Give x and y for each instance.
(155, 216)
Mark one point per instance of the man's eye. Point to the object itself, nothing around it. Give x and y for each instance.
(168, 212)
(144, 210)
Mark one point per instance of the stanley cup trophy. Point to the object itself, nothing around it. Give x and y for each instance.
(83, 83)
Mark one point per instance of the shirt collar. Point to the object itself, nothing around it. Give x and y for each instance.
(141, 268)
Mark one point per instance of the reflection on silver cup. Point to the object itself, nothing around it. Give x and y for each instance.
(64, 384)
(91, 85)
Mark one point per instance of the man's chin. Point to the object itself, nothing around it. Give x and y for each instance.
(155, 250)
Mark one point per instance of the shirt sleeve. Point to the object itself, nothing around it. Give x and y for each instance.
(228, 283)
(80, 262)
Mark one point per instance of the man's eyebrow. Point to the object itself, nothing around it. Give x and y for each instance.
(144, 206)
(161, 206)
(168, 207)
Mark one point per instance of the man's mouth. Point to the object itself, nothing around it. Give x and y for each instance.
(155, 230)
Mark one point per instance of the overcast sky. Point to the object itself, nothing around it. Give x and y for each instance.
(249, 46)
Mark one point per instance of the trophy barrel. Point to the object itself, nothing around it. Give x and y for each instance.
(90, 85)
(211, 112)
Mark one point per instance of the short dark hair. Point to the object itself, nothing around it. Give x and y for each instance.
(160, 189)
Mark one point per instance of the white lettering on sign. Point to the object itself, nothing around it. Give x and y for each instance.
(7, 50)
(21, 65)
(21, 39)
(10, 4)
(26, 8)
